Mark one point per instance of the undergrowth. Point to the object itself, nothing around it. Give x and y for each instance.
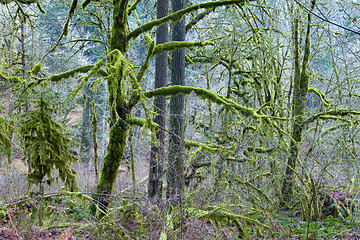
(54, 215)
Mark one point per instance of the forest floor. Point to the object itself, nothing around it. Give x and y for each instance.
(64, 216)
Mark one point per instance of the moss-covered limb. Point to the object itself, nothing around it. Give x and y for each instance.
(133, 7)
(141, 122)
(180, 14)
(334, 114)
(198, 18)
(208, 147)
(170, 46)
(321, 95)
(68, 74)
(220, 215)
(205, 94)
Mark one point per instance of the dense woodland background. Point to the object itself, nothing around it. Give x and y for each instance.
(226, 119)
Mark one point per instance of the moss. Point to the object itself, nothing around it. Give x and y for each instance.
(116, 148)
(36, 69)
(179, 15)
(208, 147)
(321, 95)
(204, 94)
(170, 46)
(334, 114)
(141, 122)
(70, 73)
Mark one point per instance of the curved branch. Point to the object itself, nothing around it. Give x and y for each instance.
(180, 14)
(335, 114)
(206, 94)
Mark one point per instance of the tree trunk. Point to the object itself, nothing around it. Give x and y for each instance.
(177, 106)
(85, 147)
(301, 85)
(157, 150)
(119, 111)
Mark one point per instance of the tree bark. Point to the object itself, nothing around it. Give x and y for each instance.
(85, 147)
(157, 150)
(177, 105)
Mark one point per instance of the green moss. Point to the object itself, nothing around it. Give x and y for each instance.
(141, 122)
(179, 15)
(36, 69)
(321, 95)
(204, 94)
(170, 46)
(208, 147)
(70, 73)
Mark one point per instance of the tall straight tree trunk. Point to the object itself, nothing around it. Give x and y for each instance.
(86, 143)
(177, 106)
(157, 150)
(301, 85)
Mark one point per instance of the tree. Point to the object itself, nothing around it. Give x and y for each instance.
(157, 150)
(175, 170)
(47, 148)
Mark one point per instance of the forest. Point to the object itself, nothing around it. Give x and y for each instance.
(144, 119)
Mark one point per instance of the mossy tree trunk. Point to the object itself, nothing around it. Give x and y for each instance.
(157, 150)
(119, 112)
(301, 85)
(177, 106)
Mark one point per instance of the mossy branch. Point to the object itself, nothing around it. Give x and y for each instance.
(179, 15)
(321, 95)
(208, 147)
(335, 114)
(218, 214)
(198, 18)
(205, 94)
(68, 74)
(170, 46)
(133, 7)
(141, 122)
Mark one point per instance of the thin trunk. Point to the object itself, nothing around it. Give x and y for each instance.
(157, 150)
(85, 147)
(177, 105)
(23, 63)
(301, 85)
